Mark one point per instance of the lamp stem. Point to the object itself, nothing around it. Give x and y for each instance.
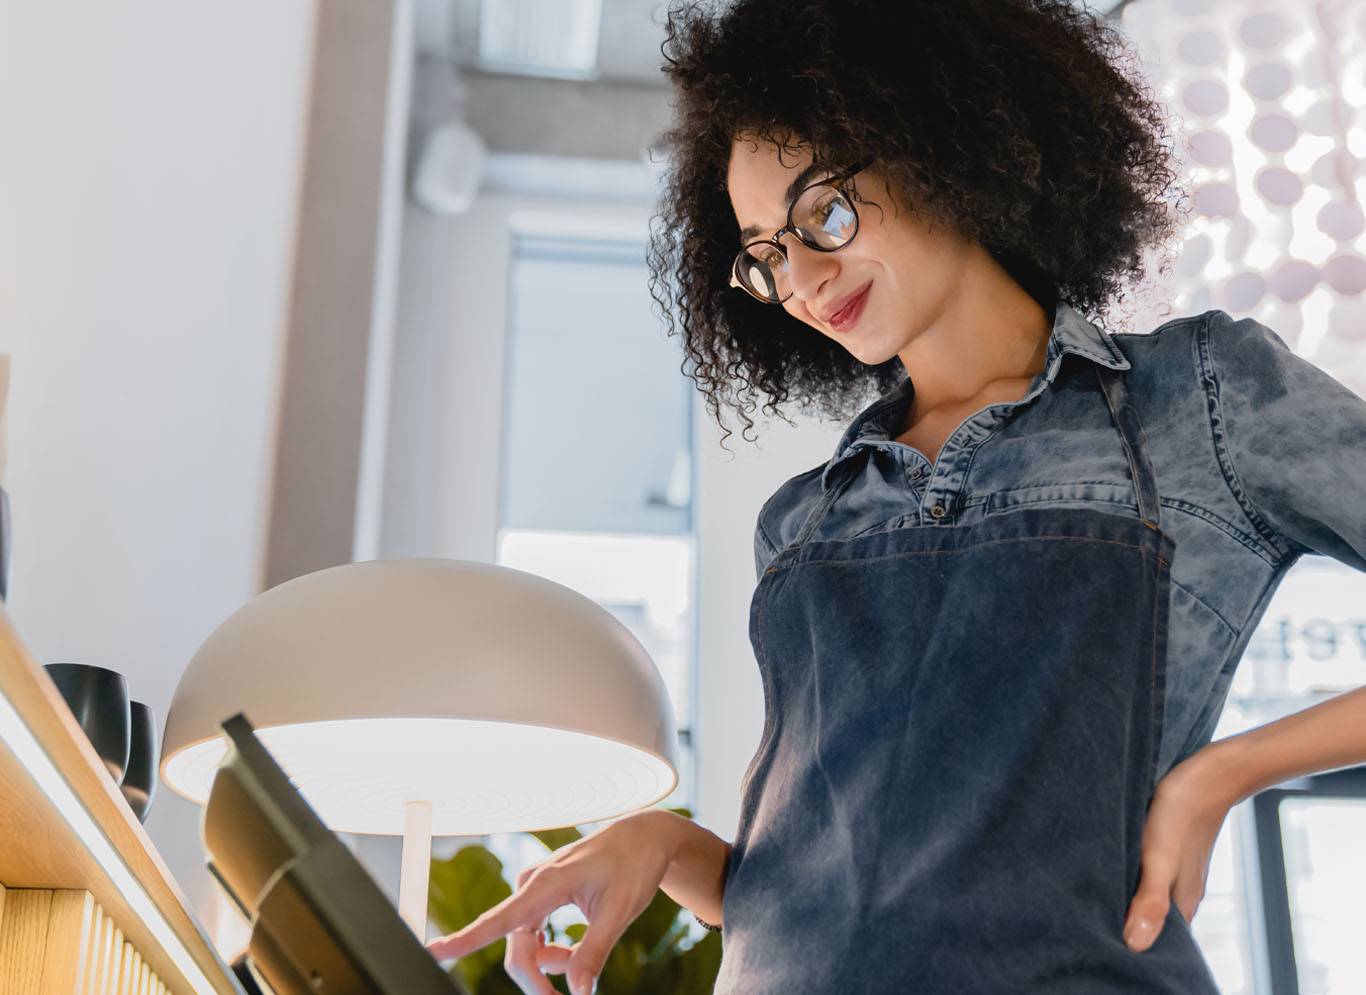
(416, 866)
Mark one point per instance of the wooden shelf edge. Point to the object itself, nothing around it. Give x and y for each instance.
(40, 849)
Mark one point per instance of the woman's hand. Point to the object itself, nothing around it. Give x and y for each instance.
(1183, 822)
(1191, 802)
(610, 875)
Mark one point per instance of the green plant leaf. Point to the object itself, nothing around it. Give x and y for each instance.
(698, 966)
(459, 891)
(465, 886)
(556, 838)
(457, 977)
(621, 975)
(497, 983)
(671, 943)
(653, 924)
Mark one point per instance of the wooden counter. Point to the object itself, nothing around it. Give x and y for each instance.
(67, 842)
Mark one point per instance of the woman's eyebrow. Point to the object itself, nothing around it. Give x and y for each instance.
(798, 184)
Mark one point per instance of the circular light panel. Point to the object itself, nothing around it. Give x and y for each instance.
(1205, 97)
(1268, 81)
(1200, 48)
(479, 776)
(1262, 31)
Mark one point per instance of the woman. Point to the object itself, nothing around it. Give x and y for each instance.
(996, 629)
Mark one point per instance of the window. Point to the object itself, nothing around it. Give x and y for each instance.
(1310, 645)
(1309, 836)
(597, 460)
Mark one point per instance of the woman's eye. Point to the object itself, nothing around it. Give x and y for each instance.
(820, 210)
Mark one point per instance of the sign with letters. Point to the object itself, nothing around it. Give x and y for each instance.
(1313, 637)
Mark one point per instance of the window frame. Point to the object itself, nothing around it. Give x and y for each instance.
(1348, 783)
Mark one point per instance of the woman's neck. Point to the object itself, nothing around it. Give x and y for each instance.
(990, 340)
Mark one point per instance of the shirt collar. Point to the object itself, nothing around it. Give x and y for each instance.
(1072, 334)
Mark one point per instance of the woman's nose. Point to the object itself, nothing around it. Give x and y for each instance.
(808, 269)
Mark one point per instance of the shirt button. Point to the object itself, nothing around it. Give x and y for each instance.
(917, 473)
(938, 511)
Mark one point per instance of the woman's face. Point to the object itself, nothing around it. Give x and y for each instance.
(877, 294)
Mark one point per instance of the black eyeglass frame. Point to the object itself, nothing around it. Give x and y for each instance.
(836, 183)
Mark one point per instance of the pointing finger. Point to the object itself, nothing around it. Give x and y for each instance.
(522, 910)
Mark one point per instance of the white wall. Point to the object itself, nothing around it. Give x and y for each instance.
(730, 700)
(149, 151)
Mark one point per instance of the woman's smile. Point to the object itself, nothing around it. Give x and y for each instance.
(846, 313)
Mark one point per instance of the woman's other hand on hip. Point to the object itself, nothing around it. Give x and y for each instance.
(1187, 811)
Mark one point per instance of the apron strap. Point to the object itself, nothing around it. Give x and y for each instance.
(1125, 417)
(843, 477)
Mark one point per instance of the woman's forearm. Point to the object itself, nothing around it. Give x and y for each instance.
(1325, 736)
(696, 876)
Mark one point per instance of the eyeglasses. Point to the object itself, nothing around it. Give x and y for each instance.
(822, 217)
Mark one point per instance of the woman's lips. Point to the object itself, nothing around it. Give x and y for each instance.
(847, 314)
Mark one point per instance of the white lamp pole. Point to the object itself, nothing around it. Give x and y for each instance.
(415, 868)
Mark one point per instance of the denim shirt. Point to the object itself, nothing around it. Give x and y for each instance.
(1260, 458)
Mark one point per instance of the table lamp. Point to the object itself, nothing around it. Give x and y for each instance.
(431, 697)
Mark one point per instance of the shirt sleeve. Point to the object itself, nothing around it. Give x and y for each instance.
(1292, 439)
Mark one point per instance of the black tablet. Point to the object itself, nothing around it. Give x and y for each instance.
(319, 923)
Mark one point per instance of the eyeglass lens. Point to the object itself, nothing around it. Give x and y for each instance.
(822, 217)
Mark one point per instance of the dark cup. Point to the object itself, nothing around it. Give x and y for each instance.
(99, 700)
(140, 779)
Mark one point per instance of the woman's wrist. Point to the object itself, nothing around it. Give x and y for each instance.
(1329, 735)
(696, 872)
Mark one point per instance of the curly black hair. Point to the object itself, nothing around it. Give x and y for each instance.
(1022, 122)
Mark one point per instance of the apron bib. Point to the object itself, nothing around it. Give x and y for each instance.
(959, 750)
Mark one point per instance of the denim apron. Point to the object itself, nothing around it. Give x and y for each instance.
(959, 750)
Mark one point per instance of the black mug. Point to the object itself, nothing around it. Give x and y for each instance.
(140, 779)
(98, 697)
